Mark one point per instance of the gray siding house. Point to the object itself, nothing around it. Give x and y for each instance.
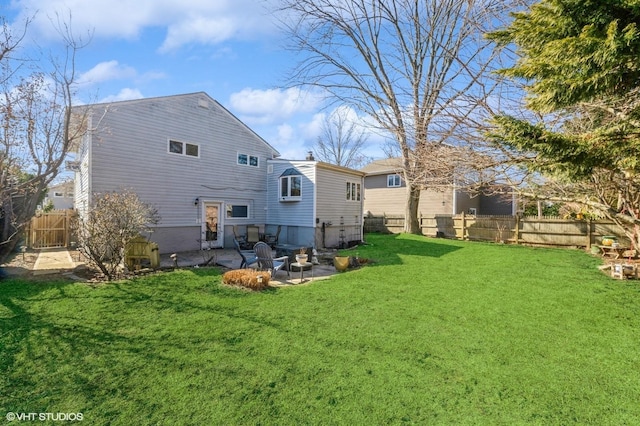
(60, 195)
(201, 167)
(315, 203)
(385, 194)
(207, 173)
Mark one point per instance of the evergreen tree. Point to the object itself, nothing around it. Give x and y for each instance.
(578, 60)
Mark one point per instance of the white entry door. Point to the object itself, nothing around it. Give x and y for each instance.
(212, 226)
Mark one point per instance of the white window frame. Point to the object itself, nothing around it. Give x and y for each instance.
(251, 160)
(394, 181)
(229, 211)
(288, 196)
(354, 191)
(183, 148)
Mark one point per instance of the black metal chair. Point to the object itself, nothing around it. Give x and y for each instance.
(272, 240)
(248, 256)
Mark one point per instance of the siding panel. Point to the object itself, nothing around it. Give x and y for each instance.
(130, 150)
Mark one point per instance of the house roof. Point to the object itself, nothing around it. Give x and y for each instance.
(384, 166)
(292, 171)
(320, 164)
(394, 164)
(65, 186)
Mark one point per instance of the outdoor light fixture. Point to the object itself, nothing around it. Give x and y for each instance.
(195, 203)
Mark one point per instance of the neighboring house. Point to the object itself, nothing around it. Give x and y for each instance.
(60, 196)
(385, 193)
(206, 172)
(315, 203)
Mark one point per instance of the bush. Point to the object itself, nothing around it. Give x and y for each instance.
(114, 219)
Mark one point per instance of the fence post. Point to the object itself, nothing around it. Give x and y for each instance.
(589, 233)
(517, 230)
(27, 233)
(65, 237)
(464, 226)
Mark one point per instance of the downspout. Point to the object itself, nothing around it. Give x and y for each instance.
(315, 202)
(454, 204)
(362, 208)
(324, 230)
(89, 199)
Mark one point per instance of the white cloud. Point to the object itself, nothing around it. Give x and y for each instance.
(285, 133)
(273, 105)
(313, 128)
(106, 71)
(125, 94)
(186, 21)
(199, 30)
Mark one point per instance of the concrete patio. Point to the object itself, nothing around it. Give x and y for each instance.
(230, 259)
(65, 262)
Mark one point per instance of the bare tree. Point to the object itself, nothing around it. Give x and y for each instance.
(406, 63)
(36, 127)
(114, 219)
(341, 141)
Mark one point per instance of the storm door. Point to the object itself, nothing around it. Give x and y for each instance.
(212, 228)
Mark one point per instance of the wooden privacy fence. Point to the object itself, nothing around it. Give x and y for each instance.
(514, 229)
(49, 229)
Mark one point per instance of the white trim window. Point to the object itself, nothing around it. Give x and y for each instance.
(290, 185)
(183, 148)
(353, 191)
(290, 188)
(248, 160)
(237, 211)
(394, 181)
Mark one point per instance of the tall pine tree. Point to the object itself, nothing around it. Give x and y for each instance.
(579, 62)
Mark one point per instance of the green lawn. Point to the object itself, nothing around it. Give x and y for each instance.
(434, 332)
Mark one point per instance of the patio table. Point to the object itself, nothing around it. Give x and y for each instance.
(613, 252)
(302, 267)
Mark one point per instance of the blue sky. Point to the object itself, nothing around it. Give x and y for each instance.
(231, 49)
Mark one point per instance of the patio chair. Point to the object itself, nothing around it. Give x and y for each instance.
(266, 261)
(253, 234)
(248, 256)
(272, 240)
(242, 239)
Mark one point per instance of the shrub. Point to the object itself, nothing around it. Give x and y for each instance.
(114, 219)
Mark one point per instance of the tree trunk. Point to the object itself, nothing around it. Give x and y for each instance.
(8, 241)
(411, 222)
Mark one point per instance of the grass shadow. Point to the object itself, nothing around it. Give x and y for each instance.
(390, 250)
(61, 331)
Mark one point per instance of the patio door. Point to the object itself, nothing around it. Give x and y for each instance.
(212, 226)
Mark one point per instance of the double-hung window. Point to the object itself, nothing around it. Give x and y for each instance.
(393, 181)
